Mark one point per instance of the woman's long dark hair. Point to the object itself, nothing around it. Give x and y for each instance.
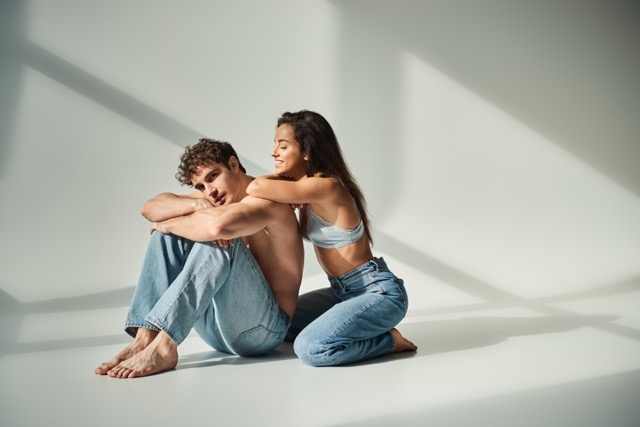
(317, 139)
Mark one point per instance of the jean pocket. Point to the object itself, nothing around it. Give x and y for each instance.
(257, 341)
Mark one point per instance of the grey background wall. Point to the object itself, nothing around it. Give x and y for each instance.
(497, 141)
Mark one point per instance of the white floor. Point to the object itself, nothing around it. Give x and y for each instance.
(572, 360)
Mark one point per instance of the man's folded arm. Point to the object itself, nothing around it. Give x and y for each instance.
(225, 222)
(168, 205)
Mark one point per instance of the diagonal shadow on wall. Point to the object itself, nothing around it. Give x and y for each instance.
(31, 55)
(12, 17)
(569, 70)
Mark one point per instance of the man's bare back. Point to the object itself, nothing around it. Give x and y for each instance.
(279, 252)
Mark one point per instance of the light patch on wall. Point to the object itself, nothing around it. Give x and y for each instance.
(492, 198)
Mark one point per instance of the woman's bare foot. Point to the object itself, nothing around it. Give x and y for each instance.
(401, 343)
(143, 338)
(159, 356)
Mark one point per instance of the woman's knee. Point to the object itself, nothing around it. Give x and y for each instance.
(310, 353)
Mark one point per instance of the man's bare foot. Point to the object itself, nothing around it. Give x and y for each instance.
(159, 356)
(401, 343)
(143, 338)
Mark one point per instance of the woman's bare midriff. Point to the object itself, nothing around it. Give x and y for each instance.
(338, 261)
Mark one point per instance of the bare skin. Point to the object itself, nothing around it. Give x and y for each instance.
(159, 356)
(401, 343)
(143, 338)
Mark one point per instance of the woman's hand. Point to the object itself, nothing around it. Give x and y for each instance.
(223, 243)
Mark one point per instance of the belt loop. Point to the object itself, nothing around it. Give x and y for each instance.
(336, 282)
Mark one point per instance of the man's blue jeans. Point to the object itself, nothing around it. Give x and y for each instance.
(220, 292)
(350, 322)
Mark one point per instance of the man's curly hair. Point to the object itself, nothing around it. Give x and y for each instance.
(204, 153)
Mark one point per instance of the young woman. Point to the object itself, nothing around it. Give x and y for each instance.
(353, 320)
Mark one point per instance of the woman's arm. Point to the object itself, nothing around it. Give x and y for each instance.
(305, 190)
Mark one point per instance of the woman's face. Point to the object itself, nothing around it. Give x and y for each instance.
(286, 152)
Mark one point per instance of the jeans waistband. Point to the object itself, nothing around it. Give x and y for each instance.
(372, 265)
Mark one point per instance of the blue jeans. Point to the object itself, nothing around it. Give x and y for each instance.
(369, 301)
(219, 292)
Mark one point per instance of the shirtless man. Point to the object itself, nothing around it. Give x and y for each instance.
(219, 261)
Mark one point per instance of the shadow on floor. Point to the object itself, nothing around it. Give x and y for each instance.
(215, 358)
(606, 401)
(12, 313)
(443, 336)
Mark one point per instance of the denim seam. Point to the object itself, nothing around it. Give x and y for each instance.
(393, 342)
(145, 325)
(164, 328)
(403, 294)
(136, 325)
(257, 327)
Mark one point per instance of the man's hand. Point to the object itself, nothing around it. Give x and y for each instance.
(168, 205)
(160, 226)
(163, 227)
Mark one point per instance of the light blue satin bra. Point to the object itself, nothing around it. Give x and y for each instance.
(326, 235)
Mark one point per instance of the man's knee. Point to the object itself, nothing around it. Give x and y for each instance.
(162, 238)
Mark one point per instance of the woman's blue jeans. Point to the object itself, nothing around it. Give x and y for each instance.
(368, 302)
(220, 292)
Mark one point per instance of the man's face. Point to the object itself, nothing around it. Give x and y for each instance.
(219, 183)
